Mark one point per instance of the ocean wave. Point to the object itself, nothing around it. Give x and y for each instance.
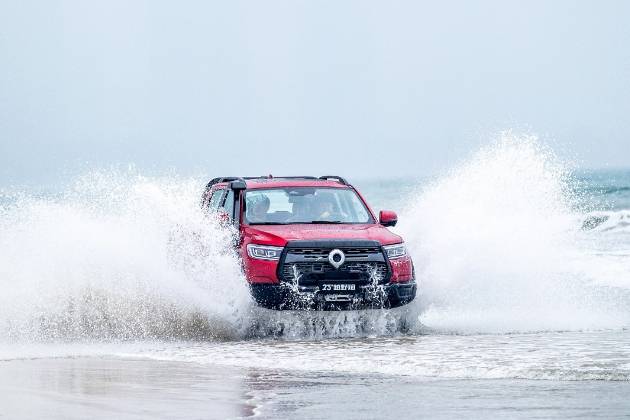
(607, 221)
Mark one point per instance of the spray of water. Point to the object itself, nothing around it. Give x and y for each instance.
(117, 256)
(499, 247)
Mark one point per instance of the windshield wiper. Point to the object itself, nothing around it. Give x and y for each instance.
(325, 222)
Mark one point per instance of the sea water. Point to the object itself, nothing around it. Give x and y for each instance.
(522, 260)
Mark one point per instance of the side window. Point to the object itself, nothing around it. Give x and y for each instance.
(228, 205)
(215, 199)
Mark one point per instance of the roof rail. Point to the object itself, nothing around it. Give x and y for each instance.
(338, 178)
(280, 177)
(238, 178)
(223, 179)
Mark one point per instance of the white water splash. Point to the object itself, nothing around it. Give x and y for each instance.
(498, 248)
(497, 244)
(92, 263)
(121, 256)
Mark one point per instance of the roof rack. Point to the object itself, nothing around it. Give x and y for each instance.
(280, 177)
(238, 178)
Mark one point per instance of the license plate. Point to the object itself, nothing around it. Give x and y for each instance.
(332, 297)
(338, 287)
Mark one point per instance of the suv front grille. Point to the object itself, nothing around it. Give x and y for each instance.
(309, 265)
(320, 253)
(309, 273)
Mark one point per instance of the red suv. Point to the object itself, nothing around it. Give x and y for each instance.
(313, 243)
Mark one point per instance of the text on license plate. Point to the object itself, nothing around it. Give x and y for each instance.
(338, 287)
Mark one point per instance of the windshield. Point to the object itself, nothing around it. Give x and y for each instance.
(304, 205)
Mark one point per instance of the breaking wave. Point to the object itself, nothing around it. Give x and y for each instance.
(607, 221)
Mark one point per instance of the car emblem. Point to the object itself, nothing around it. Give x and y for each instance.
(336, 258)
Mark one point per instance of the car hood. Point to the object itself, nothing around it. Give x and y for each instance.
(281, 234)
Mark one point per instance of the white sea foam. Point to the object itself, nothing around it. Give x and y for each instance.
(602, 355)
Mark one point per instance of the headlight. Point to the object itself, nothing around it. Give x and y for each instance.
(395, 251)
(264, 252)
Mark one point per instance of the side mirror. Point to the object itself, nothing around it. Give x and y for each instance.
(387, 218)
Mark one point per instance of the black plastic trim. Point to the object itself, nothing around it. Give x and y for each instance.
(281, 297)
(338, 178)
(332, 244)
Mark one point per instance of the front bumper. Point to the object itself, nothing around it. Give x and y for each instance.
(285, 296)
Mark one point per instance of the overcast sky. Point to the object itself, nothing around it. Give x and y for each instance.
(357, 88)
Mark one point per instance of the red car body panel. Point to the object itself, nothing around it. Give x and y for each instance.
(261, 271)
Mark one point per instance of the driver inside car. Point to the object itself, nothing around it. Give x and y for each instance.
(257, 209)
(324, 208)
